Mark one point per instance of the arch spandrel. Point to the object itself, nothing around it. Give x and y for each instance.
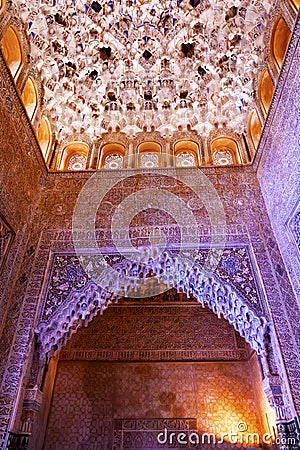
(83, 304)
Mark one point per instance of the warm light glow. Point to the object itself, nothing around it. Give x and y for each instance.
(279, 41)
(265, 91)
(12, 50)
(226, 145)
(295, 4)
(187, 147)
(44, 136)
(149, 147)
(149, 155)
(254, 128)
(29, 98)
(228, 408)
(109, 149)
(76, 148)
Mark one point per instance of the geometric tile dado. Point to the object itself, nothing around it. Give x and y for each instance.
(104, 406)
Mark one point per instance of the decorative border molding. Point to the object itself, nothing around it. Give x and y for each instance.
(7, 236)
(142, 433)
(293, 225)
(155, 355)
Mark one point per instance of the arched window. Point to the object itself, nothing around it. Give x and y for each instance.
(295, 4)
(186, 153)
(29, 97)
(279, 41)
(45, 136)
(2, 5)
(265, 91)
(254, 128)
(149, 155)
(112, 156)
(225, 151)
(12, 49)
(149, 146)
(74, 156)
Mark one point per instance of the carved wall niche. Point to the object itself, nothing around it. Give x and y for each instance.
(120, 393)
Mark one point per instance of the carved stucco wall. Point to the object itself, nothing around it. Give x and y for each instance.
(20, 174)
(21, 169)
(67, 275)
(247, 224)
(279, 162)
(247, 228)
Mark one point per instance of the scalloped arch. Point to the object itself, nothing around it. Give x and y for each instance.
(82, 306)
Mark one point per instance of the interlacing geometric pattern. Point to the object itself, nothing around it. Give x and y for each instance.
(113, 162)
(77, 162)
(185, 159)
(222, 158)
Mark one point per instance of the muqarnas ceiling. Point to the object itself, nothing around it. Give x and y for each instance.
(135, 64)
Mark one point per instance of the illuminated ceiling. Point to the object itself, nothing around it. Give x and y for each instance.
(146, 63)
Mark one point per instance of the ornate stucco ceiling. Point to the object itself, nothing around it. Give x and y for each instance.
(131, 64)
